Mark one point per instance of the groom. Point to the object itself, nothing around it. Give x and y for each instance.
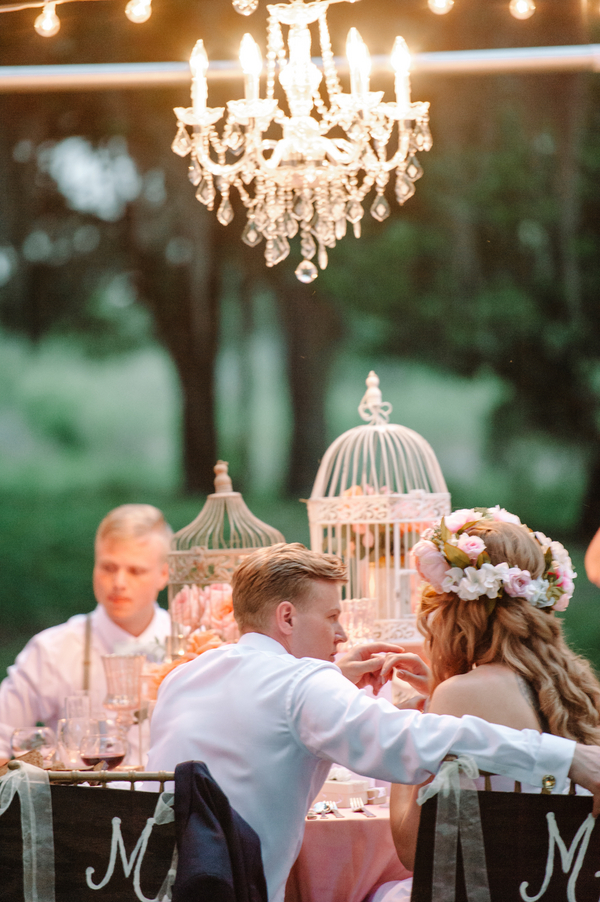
(270, 714)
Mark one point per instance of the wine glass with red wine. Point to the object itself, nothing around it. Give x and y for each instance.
(103, 747)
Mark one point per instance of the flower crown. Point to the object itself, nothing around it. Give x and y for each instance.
(451, 560)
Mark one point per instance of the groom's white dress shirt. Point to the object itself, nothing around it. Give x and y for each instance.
(269, 725)
(50, 667)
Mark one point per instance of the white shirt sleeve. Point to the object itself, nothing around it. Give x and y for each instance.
(336, 721)
(32, 691)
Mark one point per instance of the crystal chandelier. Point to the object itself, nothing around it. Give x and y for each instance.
(314, 178)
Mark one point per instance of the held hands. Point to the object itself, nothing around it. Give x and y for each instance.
(373, 665)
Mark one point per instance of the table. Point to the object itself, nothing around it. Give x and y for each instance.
(343, 859)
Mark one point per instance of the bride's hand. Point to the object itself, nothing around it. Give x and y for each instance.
(363, 664)
(410, 668)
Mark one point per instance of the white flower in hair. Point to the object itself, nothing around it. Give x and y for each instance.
(544, 541)
(485, 581)
(536, 593)
(452, 579)
(560, 555)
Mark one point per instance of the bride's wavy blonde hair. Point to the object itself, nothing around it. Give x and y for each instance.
(527, 639)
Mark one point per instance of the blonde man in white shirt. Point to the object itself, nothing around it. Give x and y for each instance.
(130, 569)
(270, 714)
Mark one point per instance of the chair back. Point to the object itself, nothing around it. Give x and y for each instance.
(90, 824)
(537, 847)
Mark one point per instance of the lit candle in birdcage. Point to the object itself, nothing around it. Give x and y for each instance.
(378, 487)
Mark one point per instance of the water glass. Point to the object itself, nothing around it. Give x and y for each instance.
(29, 739)
(69, 734)
(77, 707)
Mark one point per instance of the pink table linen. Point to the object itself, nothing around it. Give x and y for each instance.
(344, 859)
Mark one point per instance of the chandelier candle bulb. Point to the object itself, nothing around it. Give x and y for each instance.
(251, 61)
(401, 65)
(138, 11)
(360, 63)
(522, 9)
(199, 67)
(440, 7)
(47, 23)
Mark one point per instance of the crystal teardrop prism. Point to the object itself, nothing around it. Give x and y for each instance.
(354, 212)
(251, 236)
(404, 188)
(290, 225)
(299, 208)
(225, 212)
(356, 227)
(380, 209)
(182, 143)
(306, 272)
(308, 246)
(245, 7)
(281, 249)
(194, 172)
(205, 193)
(414, 170)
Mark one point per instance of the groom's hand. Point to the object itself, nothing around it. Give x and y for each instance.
(365, 664)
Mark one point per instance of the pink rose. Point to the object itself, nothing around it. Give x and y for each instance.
(499, 513)
(431, 564)
(516, 582)
(188, 606)
(562, 604)
(471, 545)
(457, 519)
(564, 580)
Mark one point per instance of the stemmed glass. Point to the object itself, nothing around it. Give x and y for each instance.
(123, 680)
(28, 739)
(109, 748)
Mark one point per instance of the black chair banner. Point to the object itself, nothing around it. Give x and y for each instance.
(538, 848)
(105, 849)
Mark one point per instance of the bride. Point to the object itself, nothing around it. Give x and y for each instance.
(496, 649)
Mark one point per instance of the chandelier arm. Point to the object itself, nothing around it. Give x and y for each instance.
(219, 169)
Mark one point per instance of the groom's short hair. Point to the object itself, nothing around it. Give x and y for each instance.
(283, 572)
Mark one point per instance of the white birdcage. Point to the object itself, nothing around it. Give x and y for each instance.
(378, 487)
(204, 555)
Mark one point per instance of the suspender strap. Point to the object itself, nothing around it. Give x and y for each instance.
(86, 653)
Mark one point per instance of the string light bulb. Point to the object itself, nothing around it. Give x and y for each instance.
(522, 9)
(440, 7)
(47, 23)
(138, 11)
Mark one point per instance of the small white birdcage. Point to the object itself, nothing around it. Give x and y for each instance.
(203, 557)
(378, 487)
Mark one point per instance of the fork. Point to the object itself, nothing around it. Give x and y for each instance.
(357, 805)
(334, 809)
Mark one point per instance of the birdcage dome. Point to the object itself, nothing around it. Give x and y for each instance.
(202, 559)
(378, 486)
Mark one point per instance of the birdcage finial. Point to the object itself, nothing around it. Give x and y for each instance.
(372, 408)
(222, 478)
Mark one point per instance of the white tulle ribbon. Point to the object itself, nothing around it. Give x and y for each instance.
(457, 815)
(33, 788)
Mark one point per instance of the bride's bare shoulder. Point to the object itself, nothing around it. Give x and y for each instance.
(475, 692)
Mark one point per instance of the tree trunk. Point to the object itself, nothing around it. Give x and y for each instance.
(178, 278)
(312, 328)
